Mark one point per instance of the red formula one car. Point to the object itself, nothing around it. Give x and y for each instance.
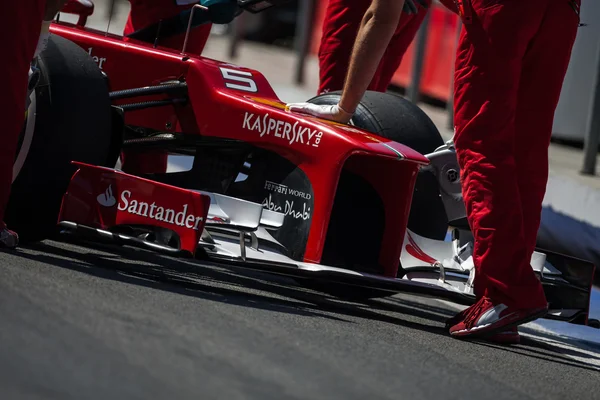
(359, 210)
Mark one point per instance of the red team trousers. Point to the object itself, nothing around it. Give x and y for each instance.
(144, 13)
(510, 67)
(23, 22)
(341, 24)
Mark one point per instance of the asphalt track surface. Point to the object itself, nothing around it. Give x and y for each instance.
(83, 323)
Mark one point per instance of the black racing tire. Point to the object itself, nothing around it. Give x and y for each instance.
(72, 116)
(392, 117)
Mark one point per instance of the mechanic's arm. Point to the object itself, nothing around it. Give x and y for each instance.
(376, 30)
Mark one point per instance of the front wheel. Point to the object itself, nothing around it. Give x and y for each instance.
(69, 119)
(392, 117)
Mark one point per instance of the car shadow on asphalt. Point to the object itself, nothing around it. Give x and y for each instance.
(567, 348)
(128, 270)
(205, 280)
(533, 348)
(187, 277)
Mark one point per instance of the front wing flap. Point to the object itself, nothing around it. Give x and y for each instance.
(105, 198)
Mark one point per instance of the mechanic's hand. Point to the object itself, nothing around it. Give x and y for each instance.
(411, 8)
(330, 112)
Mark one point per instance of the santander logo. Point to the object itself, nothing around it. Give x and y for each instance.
(152, 211)
(107, 199)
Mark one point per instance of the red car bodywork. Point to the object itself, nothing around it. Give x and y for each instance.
(228, 101)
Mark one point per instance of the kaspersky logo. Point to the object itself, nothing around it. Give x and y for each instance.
(152, 211)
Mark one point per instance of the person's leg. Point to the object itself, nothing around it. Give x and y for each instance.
(341, 24)
(407, 29)
(24, 21)
(340, 27)
(544, 69)
(487, 79)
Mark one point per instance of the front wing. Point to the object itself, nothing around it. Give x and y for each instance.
(107, 204)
